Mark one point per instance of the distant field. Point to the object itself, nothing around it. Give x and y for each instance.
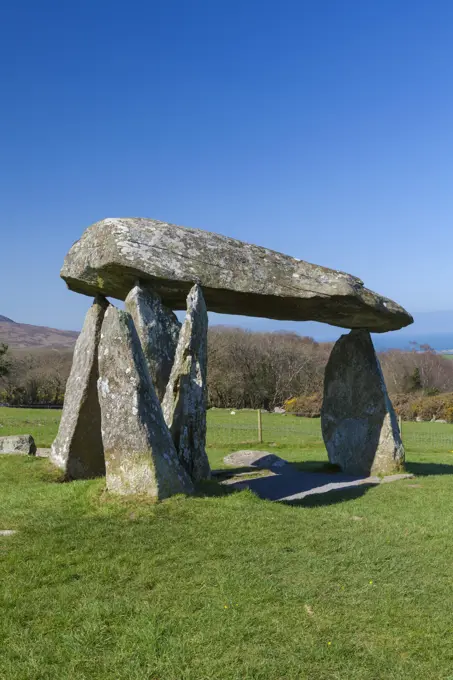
(225, 431)
(288, 434)
(346, 586)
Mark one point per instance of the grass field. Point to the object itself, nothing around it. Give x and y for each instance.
(226, 586)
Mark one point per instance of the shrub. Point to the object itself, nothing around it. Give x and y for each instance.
(426, 407)
(305, 405)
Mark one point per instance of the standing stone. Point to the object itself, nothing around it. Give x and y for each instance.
(140, 456)
(158, 329)
(184, 404)
(78, 448)
(359, 425)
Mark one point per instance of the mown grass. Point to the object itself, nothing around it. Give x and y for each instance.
(350, 587)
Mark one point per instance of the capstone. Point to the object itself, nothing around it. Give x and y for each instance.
(237, 277)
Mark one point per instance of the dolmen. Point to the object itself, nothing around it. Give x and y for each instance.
(136, 398)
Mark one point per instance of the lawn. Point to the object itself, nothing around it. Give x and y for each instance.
(226, 586)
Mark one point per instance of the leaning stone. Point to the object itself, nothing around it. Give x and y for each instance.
(359, 425)
(237, 277)
(20, 444)
(184, 404)
(78, 449)
(140, 456)
(158, 329)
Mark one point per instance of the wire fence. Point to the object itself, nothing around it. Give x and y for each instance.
(247, 426)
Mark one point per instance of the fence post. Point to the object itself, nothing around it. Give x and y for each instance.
(400, 424)
(260, 427)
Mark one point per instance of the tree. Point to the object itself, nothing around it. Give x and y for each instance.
(4, 362)
(415, 380)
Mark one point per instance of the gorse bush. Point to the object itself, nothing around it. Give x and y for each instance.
(308, 406)
(425, 407)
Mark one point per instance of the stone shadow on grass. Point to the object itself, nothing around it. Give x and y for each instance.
(294, 484)
(317, 500)
(425, 469)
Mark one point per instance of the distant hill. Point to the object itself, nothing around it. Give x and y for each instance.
(22, 335)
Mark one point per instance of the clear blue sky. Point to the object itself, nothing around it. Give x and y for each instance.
(319, 128)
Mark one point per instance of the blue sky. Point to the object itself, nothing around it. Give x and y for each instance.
(319, 128)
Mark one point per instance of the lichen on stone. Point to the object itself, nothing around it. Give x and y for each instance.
(359, 425)
(139, 452)
(184, 404)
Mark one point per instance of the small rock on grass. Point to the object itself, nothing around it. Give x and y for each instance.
(259, 459)
(19, 444)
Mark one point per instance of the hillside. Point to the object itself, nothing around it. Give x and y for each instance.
(22, 335)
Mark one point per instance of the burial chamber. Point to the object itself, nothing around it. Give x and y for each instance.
(135, 404)
(236, 277)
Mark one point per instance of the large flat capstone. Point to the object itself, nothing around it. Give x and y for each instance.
(359, 425)
(236, 277)
(140, 456)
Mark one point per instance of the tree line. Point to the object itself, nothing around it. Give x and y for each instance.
(245, 370)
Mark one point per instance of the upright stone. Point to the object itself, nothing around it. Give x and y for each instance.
(140, 456)
(184, 404)
(78, 448)
(359, 425)
(158, 329)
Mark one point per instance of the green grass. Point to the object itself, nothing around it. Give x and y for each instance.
(41, 423)
(226, 586)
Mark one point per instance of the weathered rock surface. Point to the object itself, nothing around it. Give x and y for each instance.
(259, 459)
(78, 449)
(184, 404)
(158, 329)
(20, 443)
(237, 278)
(359, 425)
(140, 456)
